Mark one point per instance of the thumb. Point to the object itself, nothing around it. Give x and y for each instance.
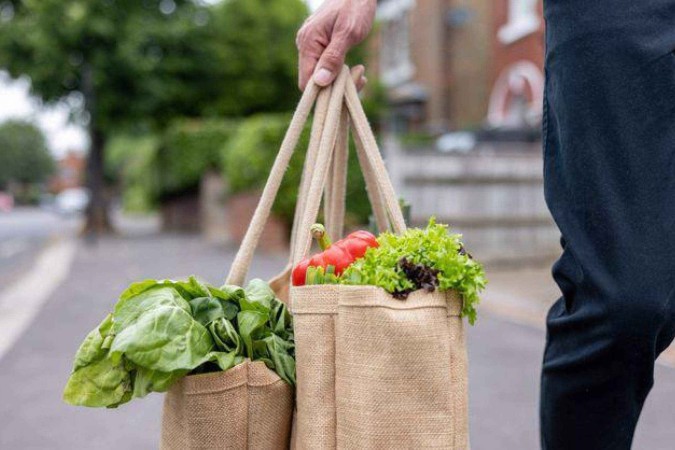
(331, 61)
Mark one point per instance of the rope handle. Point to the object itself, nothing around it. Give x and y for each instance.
(365, 143)
(330, 105)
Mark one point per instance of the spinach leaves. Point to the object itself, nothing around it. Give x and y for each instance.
(161, 331)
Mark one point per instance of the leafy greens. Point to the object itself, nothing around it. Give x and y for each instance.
(426, 258)
(163, 330)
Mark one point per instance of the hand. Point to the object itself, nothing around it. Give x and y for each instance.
(327, 36)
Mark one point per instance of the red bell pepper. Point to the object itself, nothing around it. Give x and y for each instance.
(338, 255)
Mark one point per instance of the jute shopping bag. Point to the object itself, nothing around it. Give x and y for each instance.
(372, 372)
(246, 407)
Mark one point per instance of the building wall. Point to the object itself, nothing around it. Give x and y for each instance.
(518, 53)
(428, 40)
(466, 56)
(69, 173)
(529, 47)
(471, 61)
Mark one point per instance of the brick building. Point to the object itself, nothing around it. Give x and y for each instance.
(455, 64)
(69, 173)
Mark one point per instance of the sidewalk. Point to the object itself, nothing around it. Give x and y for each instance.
(524, 296)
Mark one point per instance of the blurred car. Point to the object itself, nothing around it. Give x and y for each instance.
(6, 202)
(460, 142)
(71, 201)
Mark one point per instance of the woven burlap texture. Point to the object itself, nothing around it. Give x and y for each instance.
(378, 373)
(245, 408)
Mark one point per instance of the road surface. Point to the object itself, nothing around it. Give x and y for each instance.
(23, 233)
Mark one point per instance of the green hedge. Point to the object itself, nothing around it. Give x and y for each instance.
(152, 168)
(189, 148)
(249, 155)
(131, 161)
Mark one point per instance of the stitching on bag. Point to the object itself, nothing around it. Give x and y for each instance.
(393, 308)
(389, 308)
(266, 384)
(216, 391)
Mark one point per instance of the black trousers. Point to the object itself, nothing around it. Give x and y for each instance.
(609, 166)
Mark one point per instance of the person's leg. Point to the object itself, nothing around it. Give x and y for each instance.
(609, 151)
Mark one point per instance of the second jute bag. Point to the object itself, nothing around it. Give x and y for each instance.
(374, 372)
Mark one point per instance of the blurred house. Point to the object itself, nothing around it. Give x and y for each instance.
(472, 65)
(458, 64)
(69, 173)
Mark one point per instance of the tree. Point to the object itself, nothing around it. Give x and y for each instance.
(24, 157)
(140, 63)
(255, 44)
(122, 62)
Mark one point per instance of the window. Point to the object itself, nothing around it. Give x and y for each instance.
(523, 20)
(396, 66)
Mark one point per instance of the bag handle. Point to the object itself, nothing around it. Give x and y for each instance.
(378, 183)
(320, 111)
(336, 186)
(262, 212)
(321, 166)
(365, 140)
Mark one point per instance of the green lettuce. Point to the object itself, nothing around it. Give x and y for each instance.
(421, 258)
(162, 330)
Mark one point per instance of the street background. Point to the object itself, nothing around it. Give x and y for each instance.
(505, 346)
(135, 138)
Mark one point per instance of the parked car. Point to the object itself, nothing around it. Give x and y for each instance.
(6, 202)
(71, 201)
(457, 142)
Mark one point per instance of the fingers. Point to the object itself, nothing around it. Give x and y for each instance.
(311, 44)
(358, 75)
(331, 61)
(307, 65)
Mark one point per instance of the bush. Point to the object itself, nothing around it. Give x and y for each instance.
(130, 160)
(190, 148)
(24, 156)
(248, 159)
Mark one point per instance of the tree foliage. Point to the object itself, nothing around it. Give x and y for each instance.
(153, 60)
(255, 41)
(248, 157)
(24, 157)
(140, 63)
(121, 60)
(189, 148)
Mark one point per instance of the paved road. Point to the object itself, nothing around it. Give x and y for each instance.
(23, 232)
(504, 361)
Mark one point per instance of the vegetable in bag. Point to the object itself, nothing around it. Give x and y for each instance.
(160, 331)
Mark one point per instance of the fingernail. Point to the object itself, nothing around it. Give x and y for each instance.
(323, 77)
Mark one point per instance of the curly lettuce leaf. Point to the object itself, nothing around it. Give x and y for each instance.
(433, 247)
